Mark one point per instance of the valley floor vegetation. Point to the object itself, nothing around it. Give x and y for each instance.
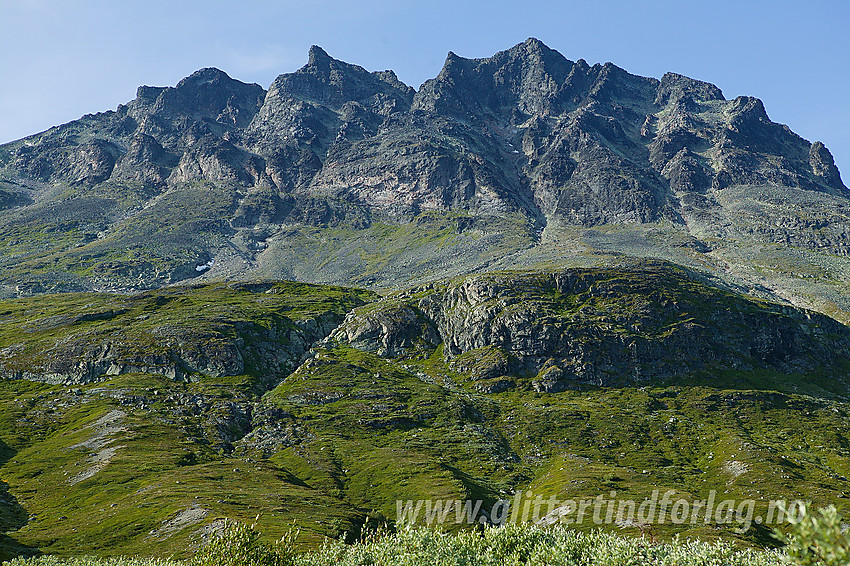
(819, 538)
(422, 546)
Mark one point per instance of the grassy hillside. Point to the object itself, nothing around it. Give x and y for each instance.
(139, 463)
(100, 464)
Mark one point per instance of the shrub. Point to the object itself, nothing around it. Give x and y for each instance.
(817, 539)
(514, 545)
(240, 545)
(524, 545)
(89, 561)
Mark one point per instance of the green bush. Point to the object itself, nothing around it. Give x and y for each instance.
(240, 545)
(90, 561)
(817, 539)
(532, 546)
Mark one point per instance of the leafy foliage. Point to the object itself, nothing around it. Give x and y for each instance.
(90, 561)
(533, 546)
(240, 545)
(817, 539)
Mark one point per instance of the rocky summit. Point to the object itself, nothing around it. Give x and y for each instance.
(297, 307)
(339, 175)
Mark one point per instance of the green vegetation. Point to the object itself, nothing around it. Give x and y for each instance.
(390, 254)
(389, 430)
(130, 466)
(240, 545)
(114, 233)
(818, 539)
(533, 546)
(527, 545)
(326, 444)
(53, 334)
(89, 561)
(103, 464)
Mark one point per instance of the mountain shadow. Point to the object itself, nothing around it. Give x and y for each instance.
(12, 517)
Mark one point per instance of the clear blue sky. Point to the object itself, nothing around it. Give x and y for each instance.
(65, 58)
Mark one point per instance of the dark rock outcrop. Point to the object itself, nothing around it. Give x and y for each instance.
(604, 326)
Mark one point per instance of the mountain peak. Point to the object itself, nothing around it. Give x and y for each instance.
(534, 52)
(526, 77)
(205, 76)
(535, 43)
(332, 83)
(200, 78)
(674, 85)
(317, 56)
(452, 57)
(208, 93)
(532, 45)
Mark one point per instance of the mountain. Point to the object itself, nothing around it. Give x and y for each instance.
(298, 306)
(339, 175)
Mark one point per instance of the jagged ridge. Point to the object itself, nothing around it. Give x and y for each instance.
(489, 159)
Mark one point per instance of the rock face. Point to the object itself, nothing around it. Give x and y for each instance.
(293, 180)
(525, 127)
(603, 326)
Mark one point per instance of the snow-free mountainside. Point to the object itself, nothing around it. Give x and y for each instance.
(338, 175)
(296, 307)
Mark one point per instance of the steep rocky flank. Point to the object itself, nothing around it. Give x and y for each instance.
(525, 127)
(337, 174)
(603, 326)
